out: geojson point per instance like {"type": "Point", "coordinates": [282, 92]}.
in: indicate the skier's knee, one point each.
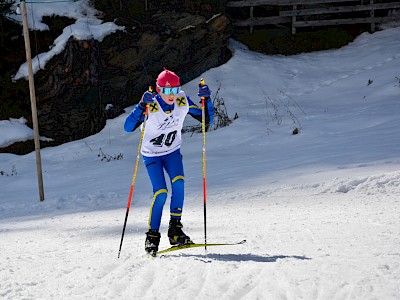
{"type": "Point", "coordinates": [178, 184]}
{"type": "Point", "coordinates": [178, 178]}
{"type": "Point", "coordinates": [160, 195]}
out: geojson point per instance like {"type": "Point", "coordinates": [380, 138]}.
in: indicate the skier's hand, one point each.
{"type": "Point", "coordinates": [147, 98]}
{"type": "Point", "coordinates": [204, 91]}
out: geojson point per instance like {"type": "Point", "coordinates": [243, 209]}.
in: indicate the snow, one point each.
{"type": "Point", "coordinates": [14, 130]}
{"type": "Point", "coordinates": [319, 210]}
{"type": "Point", "coordinates": [87, 26]}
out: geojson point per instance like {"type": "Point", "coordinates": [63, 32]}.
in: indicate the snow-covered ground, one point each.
{"type": "Point", "coordinates": [320, 210]}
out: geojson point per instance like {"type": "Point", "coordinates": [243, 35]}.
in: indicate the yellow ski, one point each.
{"type": "Point", "coordinates": [187, 246]}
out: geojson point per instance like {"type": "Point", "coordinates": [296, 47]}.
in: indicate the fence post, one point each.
{"type": "Point", "coordinates": [294, 20]}
{"type": "Point", "coordinates": [251, 16]}
{"type": "Point", "coordinates": [372, 14]}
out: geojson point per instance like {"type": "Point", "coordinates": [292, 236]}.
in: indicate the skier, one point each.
{"type": "Point", "coordinates": [161, 150]}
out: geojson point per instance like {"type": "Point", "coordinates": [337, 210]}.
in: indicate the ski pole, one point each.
{"type": "Point", "coordinates": [134, 174]}
{"type": "Point", "coordinates": [203, 129]}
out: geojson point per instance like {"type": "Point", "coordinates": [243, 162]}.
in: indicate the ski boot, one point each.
{"type": "Point", "coordinates": [152, 242]}
{"type": "Point", "coordinates": [176, 235]}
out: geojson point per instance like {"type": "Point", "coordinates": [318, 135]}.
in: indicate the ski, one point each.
{"type": "Point", "coordinates": [187, 246]}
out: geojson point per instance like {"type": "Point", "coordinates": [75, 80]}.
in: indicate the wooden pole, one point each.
{"type": "Point", "coordinates": [33, 100]}
{"type": "Point", "coordinates": [251, 16]}
{"type": "Point", "coordinates": [294, 21]}
{"type": "Point", "coordinates": [372, 15]}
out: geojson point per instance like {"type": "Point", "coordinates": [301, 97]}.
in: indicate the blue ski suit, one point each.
{"type": "Point", "coordinates": [171, 162]}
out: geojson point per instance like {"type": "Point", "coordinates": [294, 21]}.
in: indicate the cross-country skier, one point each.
{"type": "Point", "coordinates": [161, 150]}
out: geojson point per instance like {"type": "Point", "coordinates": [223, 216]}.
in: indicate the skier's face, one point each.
{"type": "Point", "coordinates": [169, 99]}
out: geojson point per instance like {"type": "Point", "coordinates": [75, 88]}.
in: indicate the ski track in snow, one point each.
{"type": "Point", "coordinates": [290, 257]}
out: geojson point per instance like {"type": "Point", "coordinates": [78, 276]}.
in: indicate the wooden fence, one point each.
{"type": "Point", "coordinates": [309, 13]}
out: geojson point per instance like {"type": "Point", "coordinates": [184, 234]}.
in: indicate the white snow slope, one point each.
{"type": "Point", "coordinates": [320, 210]}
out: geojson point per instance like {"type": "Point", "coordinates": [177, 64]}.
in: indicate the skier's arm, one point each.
{"type": "Point", "coordinates": [135, 118]}
{"type": "Point", "coordinates": [195, 111]}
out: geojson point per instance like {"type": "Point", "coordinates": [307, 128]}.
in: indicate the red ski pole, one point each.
{"type": "Point", "coordinates": [203, 129]}
{"type": "Point", "coordinates": [134, 174]}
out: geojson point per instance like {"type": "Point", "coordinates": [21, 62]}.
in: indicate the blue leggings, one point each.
{"type": "Point", "coordinates": [172, 163]}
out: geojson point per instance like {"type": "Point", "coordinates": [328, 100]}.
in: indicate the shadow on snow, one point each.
{"type": "Point", "coordinates": [241, 257]}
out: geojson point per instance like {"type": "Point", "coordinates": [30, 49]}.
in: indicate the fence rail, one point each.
{"type": "Point", "coordinates": [307, 13]}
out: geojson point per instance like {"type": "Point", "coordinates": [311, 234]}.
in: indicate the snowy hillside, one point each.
{"type": "Point", "coordinates": [319, 210]}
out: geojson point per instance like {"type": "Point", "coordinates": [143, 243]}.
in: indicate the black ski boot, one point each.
{"type": "Point", "coordinates": [176, 235]}
{"type": "Point", "coordinates": [152, 242]}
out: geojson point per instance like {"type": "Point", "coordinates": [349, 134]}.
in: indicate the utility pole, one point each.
{"type": "Point", "coordinates": [33, 100]}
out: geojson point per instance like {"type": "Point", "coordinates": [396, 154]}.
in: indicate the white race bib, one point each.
{"type": "Point", "coordinates": [163, 130]}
